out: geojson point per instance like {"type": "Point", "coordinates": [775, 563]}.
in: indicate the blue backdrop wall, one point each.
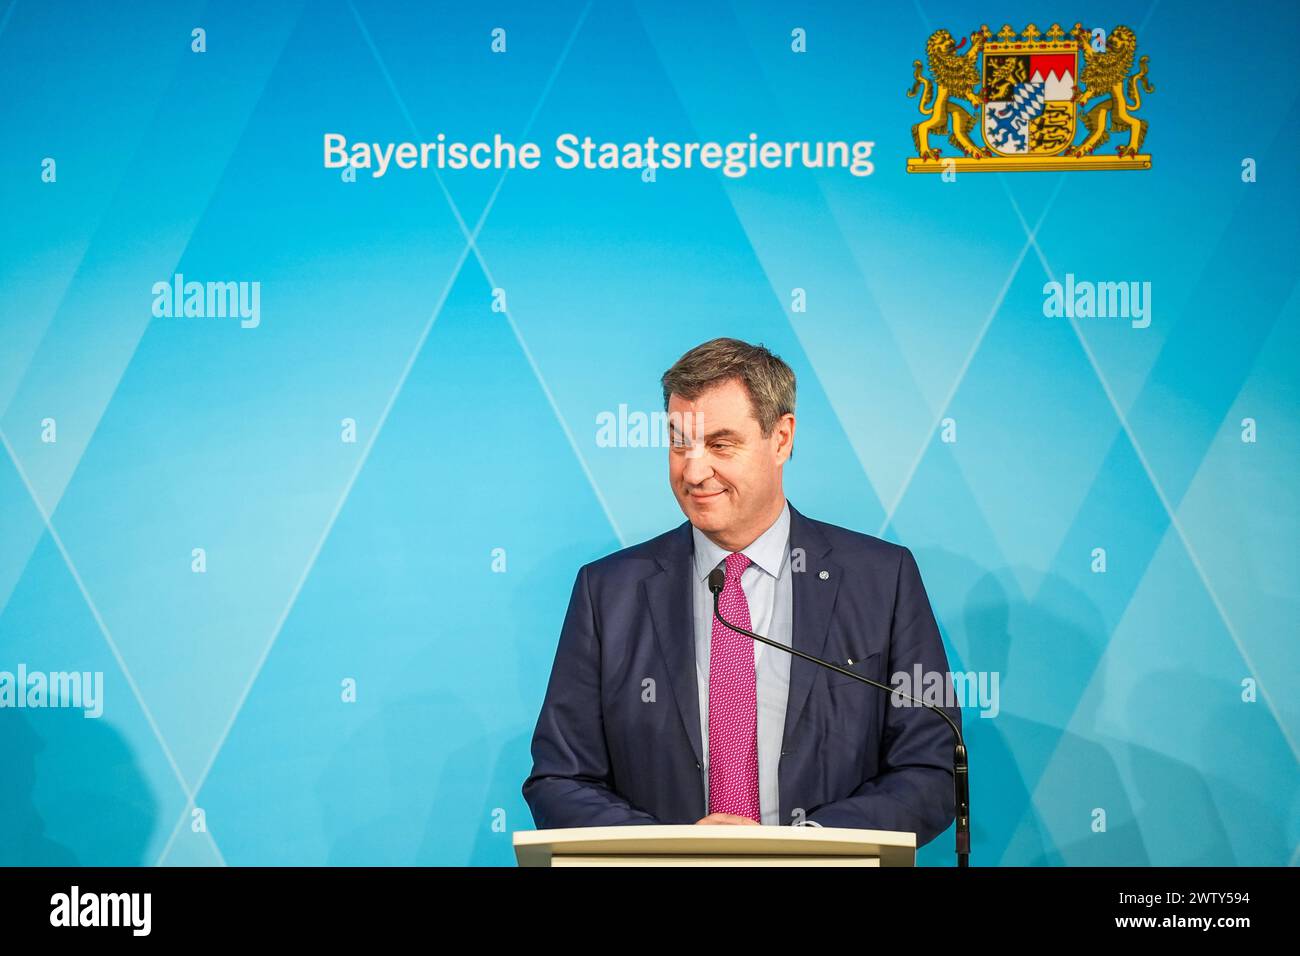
{"type": "Point", "coordinates": [385, 486]}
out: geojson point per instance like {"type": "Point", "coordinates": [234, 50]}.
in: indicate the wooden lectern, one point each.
{"type": "Point", "coordinates": [714, 845]}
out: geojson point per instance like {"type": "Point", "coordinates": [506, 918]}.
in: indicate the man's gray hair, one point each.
{"type": "Point", "coordinates": [769, 381]}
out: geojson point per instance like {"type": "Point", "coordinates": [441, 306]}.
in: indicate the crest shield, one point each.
{"type": "Point", "coordinates": [1029, 92]}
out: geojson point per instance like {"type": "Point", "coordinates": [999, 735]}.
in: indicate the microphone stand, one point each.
{"type": "Point", "coordinates": [960, 768]}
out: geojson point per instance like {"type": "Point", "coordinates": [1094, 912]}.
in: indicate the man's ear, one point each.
{"type": "Point", "coordinates": [783, 424]}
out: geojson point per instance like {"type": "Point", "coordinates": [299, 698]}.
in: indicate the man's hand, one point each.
{"type": "Point", "coordinates": [727, 818]}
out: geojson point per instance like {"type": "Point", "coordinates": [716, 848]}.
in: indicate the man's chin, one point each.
{"type": "Point", "coordinates": [706, 513]}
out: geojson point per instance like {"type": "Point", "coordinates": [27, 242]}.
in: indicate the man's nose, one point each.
{"type": "Point", "coordinates": [697, 469]}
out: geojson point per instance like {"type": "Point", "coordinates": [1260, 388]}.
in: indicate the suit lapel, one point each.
{"type": "Point", "coordinates": [671, 599]}
{"type": "Point", "coordinates": [813, 598]}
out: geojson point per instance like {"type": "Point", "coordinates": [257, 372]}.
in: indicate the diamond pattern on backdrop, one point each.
{"type": "Point", "coordinates": [332, 559]}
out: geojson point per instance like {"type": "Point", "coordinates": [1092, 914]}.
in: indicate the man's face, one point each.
{"type": "Point", "coordinates": [725, 474]}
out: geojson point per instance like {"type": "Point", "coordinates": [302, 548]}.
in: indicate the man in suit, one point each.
{"type": "Point", "coordinates": [656, 713]}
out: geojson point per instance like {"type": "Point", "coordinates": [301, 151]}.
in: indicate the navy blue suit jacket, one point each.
{"type": "Point", "coordinates": [611, 749]}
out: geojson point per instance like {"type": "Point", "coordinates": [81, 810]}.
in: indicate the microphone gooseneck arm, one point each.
{"type": "Point", "coordinates": [960, 768]}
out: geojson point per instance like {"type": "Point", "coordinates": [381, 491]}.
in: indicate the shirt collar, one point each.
{"type": "Point", "coordinates": [768, 550]}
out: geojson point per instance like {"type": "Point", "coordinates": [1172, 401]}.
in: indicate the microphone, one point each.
{"type": "Point", "coordinates": [960, 769]}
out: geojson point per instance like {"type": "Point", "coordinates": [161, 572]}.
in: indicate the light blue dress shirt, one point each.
{"type": "Point", "coordinates": [766, 583]}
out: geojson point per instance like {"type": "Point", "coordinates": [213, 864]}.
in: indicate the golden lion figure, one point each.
{"type": "Point", "coordinates": [1103, 75]}
{"type": "Point", "coordinates": [955, 77]}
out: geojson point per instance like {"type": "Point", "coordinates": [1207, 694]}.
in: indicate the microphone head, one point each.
{"type": "Point", "coordinates": [717, 580]}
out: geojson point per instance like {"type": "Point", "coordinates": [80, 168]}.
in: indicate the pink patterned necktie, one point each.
{"type": "Point", "coordinates": [733, 704]}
